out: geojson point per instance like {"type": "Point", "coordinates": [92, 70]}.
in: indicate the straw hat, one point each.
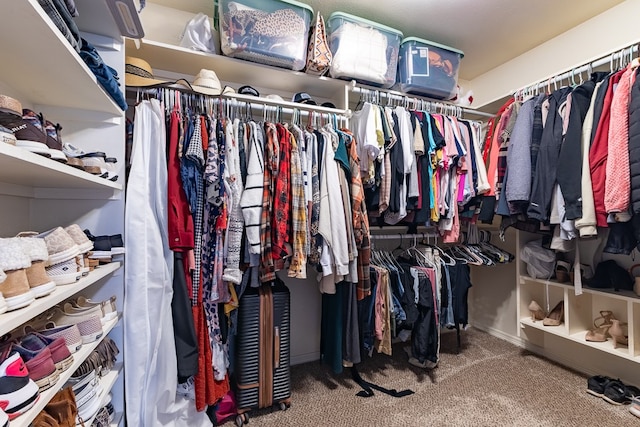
{"type": "Point", "coordinates": [207, 83]}
{"type": "Point", "coordinates": [138, 72]}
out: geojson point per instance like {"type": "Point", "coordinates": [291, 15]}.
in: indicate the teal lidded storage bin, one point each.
{"type": "Point", "coordinates": [428, 68]}
{"type": "Point", "coordinates": [272, 32]}
{"type": "Point", "coordinates": [363, 50]}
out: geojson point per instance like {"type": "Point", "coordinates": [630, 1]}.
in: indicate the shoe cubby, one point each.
{"type": "Point", "coordinates": [547, 295]}
{"type": "Point", "coordinates": [634, 330]}
{"type": "Point", "coordinates": [586, 308]}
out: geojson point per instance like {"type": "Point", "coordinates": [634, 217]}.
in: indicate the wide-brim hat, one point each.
{"type": "Point", "coordinates": [138, 73]}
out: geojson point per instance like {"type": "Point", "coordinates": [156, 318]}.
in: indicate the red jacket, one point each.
{"type": "Point", "coordinates": [598, 153]}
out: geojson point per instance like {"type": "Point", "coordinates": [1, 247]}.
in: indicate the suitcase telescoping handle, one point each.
{"type": "Point", "coordinates": [276, 349]}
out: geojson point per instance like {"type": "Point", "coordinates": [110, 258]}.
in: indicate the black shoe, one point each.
{"type": "Point", "coordinates": [618, 393]}
{"type": "Point", "coordinates": [597, 384]}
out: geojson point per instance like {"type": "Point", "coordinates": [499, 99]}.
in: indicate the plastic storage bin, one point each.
{"type": "Point", "coordinates": [427, 68]}
{"type": "Point", "coordinates": [363, 50]}
{"type": "Point", "coordinates": [272, 32]}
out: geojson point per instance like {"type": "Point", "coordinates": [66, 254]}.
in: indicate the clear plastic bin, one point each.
{"type": "Point", "coordinates": [363, 50]}
{"type": "Point", "coordinates": [273, 32]}
{"type": "Point", "coordinates": [427, 68]}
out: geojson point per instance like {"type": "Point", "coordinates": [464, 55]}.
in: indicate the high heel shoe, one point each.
{"type": "Point", "coordinates": [536, 311]}
{"type": "Point", "coordinates": [555, 316]}
{"type": "Point", "coordinates": [617, 333]}
{"type": "Point", "coordinates": [601, 331]}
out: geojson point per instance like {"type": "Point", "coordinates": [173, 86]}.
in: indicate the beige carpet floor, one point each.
{"type": "Point", "coordinates": [490, 383]}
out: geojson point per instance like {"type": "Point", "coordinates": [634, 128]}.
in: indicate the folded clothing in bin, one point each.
{"type": "Point", "coordinates": [428, 68]}
{"type": "Point", "coordinates": [272, 32]}
{"type": "Point", "coordinates": [363, 50]}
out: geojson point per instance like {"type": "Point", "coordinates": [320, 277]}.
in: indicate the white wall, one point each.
{"type": "Point", "coordinates": [605, 33]}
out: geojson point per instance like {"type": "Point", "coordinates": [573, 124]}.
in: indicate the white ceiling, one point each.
{"type": "Point", "coordinates": [489, 32]}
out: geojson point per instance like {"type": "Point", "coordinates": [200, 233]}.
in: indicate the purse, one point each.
{"type": "Point", "coordinates": [319, 55]}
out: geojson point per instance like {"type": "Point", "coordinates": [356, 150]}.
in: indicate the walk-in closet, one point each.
{"type": "Point", "coordinates": [319, 212]}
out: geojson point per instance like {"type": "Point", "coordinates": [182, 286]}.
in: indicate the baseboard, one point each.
{"type": "Point", "coordinates": [554, 356]}
{"type": "Point", "coordinates": [299, 359]}
{"type": "Point", "coordinates": [501, 334]}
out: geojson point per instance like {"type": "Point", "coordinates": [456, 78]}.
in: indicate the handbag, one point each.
{"type": "Point", "coordinates": [319, 55]}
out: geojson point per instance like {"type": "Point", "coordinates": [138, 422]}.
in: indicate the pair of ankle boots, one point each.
{"type": "Point", "coordinates": [61, 411]}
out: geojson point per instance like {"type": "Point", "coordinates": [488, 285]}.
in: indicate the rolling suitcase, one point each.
{"type": "Point", "coordinates": [262, 376]}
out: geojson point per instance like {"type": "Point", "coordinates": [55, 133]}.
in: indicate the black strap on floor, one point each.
{"type": "Point", "coordinates": [367, 387]}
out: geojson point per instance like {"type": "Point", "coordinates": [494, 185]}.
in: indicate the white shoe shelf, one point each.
{"type": "Point", "coordinates": [32, 175]}
{"type": "Point", "coordinates": [39, 63]}
{"type": "Point", "coordinates": [13, 319]}
{"type": "Point", "coordinates": [44, 72]}
{"type": "Point", "coordinates": [78, 357]}
{"type": "Point", "coordinates": [579, 314]}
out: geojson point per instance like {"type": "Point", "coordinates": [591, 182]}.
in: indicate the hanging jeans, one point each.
{"type": "Point", "coordinates": [151, 379]}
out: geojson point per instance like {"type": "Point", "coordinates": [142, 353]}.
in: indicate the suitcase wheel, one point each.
{"type": "Point", "coordinates": [242, 419]}
{"type": "Point", "coordinates": [284, 406]}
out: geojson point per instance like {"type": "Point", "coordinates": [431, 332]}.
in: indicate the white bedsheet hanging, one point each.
{"type": "Point", "coordinates": [150, 362]}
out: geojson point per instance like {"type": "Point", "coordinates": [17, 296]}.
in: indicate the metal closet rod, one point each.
{"type": "Point", "coordinates": [256, 102]}
{"type": "Point", "coordinates": [452, 109]}
{"type": "Point", "coordinates": [407, 237]}
{"type": "Point", "coordinates": [621, 56]}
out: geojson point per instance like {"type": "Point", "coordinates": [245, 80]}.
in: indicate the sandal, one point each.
{"type": "Point", "coordinates": [601, 331]}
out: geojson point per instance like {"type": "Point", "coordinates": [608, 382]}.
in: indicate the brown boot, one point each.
{"type": "Point", "coordinates": [62, 408]}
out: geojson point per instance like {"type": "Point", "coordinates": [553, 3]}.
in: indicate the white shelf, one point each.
{"type": "Point", "coordinates": [30, 172]}
{"type": "Point", "coordinates": [176, 59]}
{"type": "Point", "coordinates": [607, 346]}
{"type": "Point", "coordinates": [39, 63]}
{"type": "Point", "coordinates": [579, 337]}
{"type": "Point", "coordinates": [106, 383]}
{"type": "Point", "coordinates": [13, 319]}
{"type": "Point", "coordinates": [609, 293]}
{"type": "Point", "coordinates": [78, 357]}
{"type": "Point", "coordinates": [560, 330]}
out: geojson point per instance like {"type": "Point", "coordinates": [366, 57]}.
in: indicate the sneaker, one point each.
{"type": "Point", "coordinates": [87, 390]}
{"type": "Point", "coordinates": [70, 334]}
{"type": "Point", "coordinates": [102, 418]}
{"type": "Point", "coordinates": [187, 389]}
{"type": "Point", "coordinates": [111, 167]}
{"type": "Point", "coordinates": [18, 392]}
{"type": "Point", "coordinates": [7, 137]}
{"type": "Point", "coordinates": [62, 357]}
{"type": "Point", "coordinates": [65, 273]}
{"type": "Point", "coordinates": [597, 384]}
{"type": "Point", "coordinates": [4, 419]}
{"type": "Point", "coordinates": [53, 141]}
{"type": "Point", "coordinates": [3, 303]}
{"type": "Point", "coordinates": [30, 134]}
{"type": "Point", "coordinates": [634, 408]}
{"type": "Point", "coordinates": [61, 246]}
{"type": "Point", "coordinates": [107, 307]}
{"type": "Point", "coordinates": [88, 322]}
{"type": "Point", "coordinates": [42, 369]}
{"type": "Point", "coordinates": [39, 281]}
{"type": "Point", "coordinates": [14, 262]}
{"type": "Point", "coordinates": [618, 393]}
{"type": "Point", "coordinates": [117, 245]}
{"type": "Point", "coordinates": [81, 239]}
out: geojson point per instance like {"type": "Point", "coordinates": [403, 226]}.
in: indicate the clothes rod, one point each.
{"type": "Point", "coordinates": [455, 110]}
{"type": "Point", "coordinates": [256, 102]}
{"type": "Point", "coordinates": [621, 55]}
{"type": "Point", "coordinates": [400, 236]}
